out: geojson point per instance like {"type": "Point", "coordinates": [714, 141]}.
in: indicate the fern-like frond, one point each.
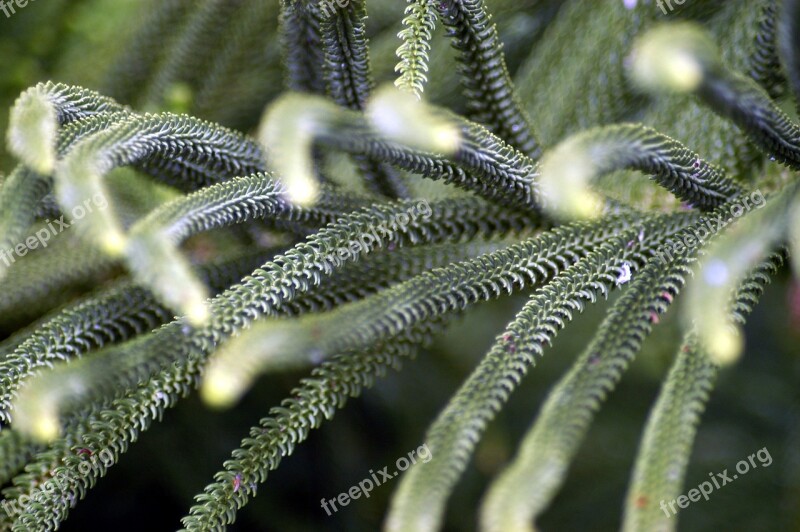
{"type": "Point", "coordinates": [684, 58]}
{"type": "Point", "coordinates": [379, 318]}
{"type": "Point", "coordinates": [571, 167]}
{"type": "Point", "coordinates": [765, 62]}
{"type": "Point", "coordinates": [293, 123]}
{"type": "Point", "coordinates": [185, 152]}
{"type": "Point", "coordinates": [491, 98]}
{"type": "Point", "coordinates": [527, 487]}
{"type": "Point", "coordinates": [20, 194]}
{"type": "Point", "coordinates": [207, 154]}
{"type": "Point", "coordinates": [418, 27]}
{"type": "Point", "coordinates": [189, 267]}
{"type": "Point", "coordinates": [418, 504]}
{"type": "Point", "coordinates": [316, 400]}
{"type": "Point", "coordinates": [393, 266]}
{"type": "Point", "coordinates": [482, 163]}
{"type": "Point", "coordinates": [735, 25]}
{"type": "Point", "coordinates": [519, 495]}
{"type": "Point", "coordinates": [117, 314]}
{"type": "Point", "coordinates": [281, 280]}
{"type": "Point", "coordinates": [107, 427]}
{"type": "Point", "coordinates": [729, 259]}
{"type": "Point", "coordinates": [300, 35]}
{"type": "Point", "coordinates": [668, 439]}
{"type": "Point", "coordinates": [671, 427]}
{"type": "Point", "coordinates": [24, 191]}
{"type": "Point", "coordinates": [66, 115]}
{"type": "Point", "coordinates": [344, 44]}
{"type": "Point", "coordinates": [15, 451]}
{"type": "Point", "coordinates": [67, 104]}
{"type": "Point", "coordinates": [113, 315]}
{"type": "Point", "coordinates": [110, 429]}
{"type": "Point", "coordinates": [151, 249]}
{"type": "Point", "coordinates": [349, 80]}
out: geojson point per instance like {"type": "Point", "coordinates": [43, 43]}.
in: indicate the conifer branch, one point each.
{"type": "Point", "coordinates": [419, 501]}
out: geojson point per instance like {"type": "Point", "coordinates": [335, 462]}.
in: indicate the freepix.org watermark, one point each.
{"type": "Point", "coordinates": [62, 482]}
{"type": "Point", "coordinates": [373, 481]}
{"type": "Point", "coordinates": [328, 7]}
{"type": "Point", "coordinates": [9, 7]}
{"type": "Point", "coordinates": [709, 226]}
{"type": "Point", "coordinates": [718, 480]}
{"type": "Point", "coordinates": [52, 228]}
{"type": "Point", "coordinates": [666, 5]}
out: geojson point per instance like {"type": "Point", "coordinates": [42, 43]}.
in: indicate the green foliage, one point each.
{"type": "Point", "coordinates": [419, 23]}
{"type": "Point", "coordinates": [203, 249]}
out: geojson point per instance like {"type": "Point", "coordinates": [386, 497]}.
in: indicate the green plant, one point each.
{"type": "Point", "coordinates": [563, 215]}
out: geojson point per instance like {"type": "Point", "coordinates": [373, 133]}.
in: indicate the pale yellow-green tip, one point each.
{"type": "Point", "coordinates": [402, 117]}
{"type": "Point", "coordinates": [672, 57]}
{"type": "Point", "coordinates": [266, 347]}
{"type": "Point", "coordinates": [566, 173]}
{"type": "Point", "coordinates": [113, 242]}
{"type": "Point", "coordinates": [157, 263]}
{"type": "Point", "coordinates": [46, 428]}
{"type": "Point", "coordinates": [180, 289]}
{"type": "Point", "coordinates": [302, 190]}
{"type": "Point", "coordinates": [32, 132]}
{"type": "Point", "coordinates": [724, 346]}
{"type": "Point", "coordinates": [287, 133]}
{"type": "Point", "coordinates": [38, 419]}
{"type": "Point", "coordinates": [198, 313]}
{"type": "Point", "coordinates": [222, 388]}
{"type": "Point", "coordinates": [78, 180]}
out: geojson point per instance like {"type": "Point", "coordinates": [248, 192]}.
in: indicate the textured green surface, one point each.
{"type": "Point", "coordinates": [440, 234]}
